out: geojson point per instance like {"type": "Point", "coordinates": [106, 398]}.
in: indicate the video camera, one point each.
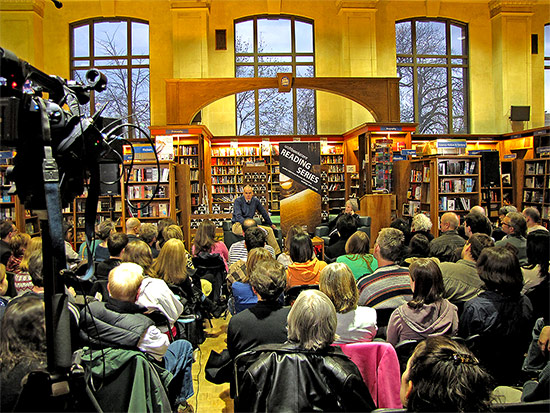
{"type": "Point", "coordinates": [29, 122]}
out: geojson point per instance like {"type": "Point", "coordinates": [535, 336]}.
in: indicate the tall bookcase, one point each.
{"type": "Point", "coordinates": [442, 184]}
{"type": "Point", "coordinates": [332, 162]}
{"type": "Point", "coordinates": [536, 187]}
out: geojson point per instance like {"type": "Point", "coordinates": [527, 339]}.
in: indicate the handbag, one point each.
{"type": "Point", "coordinates": [219, 367]}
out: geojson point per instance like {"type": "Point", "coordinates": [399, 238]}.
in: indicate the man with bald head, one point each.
{"type": "Point", "coordinates": [132, 229]}
{"type": "Point", "coordinates": [478, 209]}
{"type": "Point", "coordinates": [443, 247]}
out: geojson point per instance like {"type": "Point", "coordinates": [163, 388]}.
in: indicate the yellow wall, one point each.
{"type": "Point", "coordinates": [352, 38]}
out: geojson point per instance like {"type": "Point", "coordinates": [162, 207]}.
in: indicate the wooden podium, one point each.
{"type": "Point", "coordinates": [378, 207]}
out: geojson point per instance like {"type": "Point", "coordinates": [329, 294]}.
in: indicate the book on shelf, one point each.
{"type": "Point", "coordinates": [451, 205]}
{"type": "Point", "coordinates": [414, 207]}
{"type": "Point", "coordinates": [426, 174]}
{"type": "Point", "coordinates": [530, 168]}
{"type": "Point", "coordinates": [540, 168]}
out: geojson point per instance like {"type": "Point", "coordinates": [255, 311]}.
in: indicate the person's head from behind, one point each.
{"type": "Point", "coordinates": [475, 244]}
{"type": "Point", "coordinates": [255, 256]}
{"type": "Point", "coordinates": [449, 221]}
{"type": "Point", "coordinates": [18, 243]}
{"type": "Point", "coordinates": [105, 228]}
{"type": "Point", "coordinates": [125, 281]}
{"type": "Point", "coordinates": [419, 245]}
{"type": "Point", "coordinates": [478, 209]}
{"type": "Point", "coordinates": [148, 233]}
{"type": "Point", "coordinates": [68, 231]}
{"type": "Point", "coordinates": [532, 216]}
{"type": "Point", "coordinates": [337, 282]}
{"type": "Point", "coordinates": [346, 226]}
{"type": "Point", "coordinates": [445, 376]}
{"type": "Point", "coordinates": [205, 236]}
{"type": "Point", "coordinates": [421, 222]}
{"type": "Point", "coordinates": [358, 243]}
{"type": "Point", "coordinates": [116, 243]}
{"type": "Point", "coordinates": [268, 279]}
{"type": "Point", "coordinates": [248, 223]}
{"type": "Point", "coordinates": [171, 264]}
{"type": "Point", "coordinates": [35, 244]}
{"type": "Point", "coordinates": [139, 253]}
{"type": "Point", "coordinates": [503, 211]}
{"type": "Point", "coordinates": [312, 321]}
{"type": "Point", "coordinates": [475, 223]}
{"type": "Point", "coordinates": [301, 248]}
{"type": "Point", "coordinates": [426, 282]}
{"type": "Point", "coordinates": [3, 280]}
{"type": "Point", "coordinates": [254, 238]}
{"type": "Point", "coordinates": [23, 334]}
{"type": "Point", "coordinates": [7, 229]}
{"type": "Point", "coordinates": [514, 224]}
{"type": "Point", "coordinates": [36, 266]}
{"type": "Point", "coordinates": [172, 231]}
{"type": "Point", "coordinates": [291, 233]}
{"type": "Point", "coordinates": [389, 244]}
{"type": "Point", "coordinates": [402, 225]}
{"type": "Point", "coordinates": [161, 225]}
{"type": "Point", "coordinates": [538, 250]}
{"type": "Point", "coordinates": [499, 269]}
{"type": "Point", "coordinates": [132, 226]}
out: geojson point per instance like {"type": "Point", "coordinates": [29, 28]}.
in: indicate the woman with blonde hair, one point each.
{"type": "Point", "coordinates": [357, 257]}
{"type": "Point", "coordinates": [284, 257]}
{"type": "Point", "coordinates": [173, 231]}
{"type": "Point", "coordinates": [243, 294]}
{"type": "Point", "coordinates": [139, 252]}
{"type": "Point", "coordinates": [205, 242]}
{"type": "Point", "coordinates": [18, 244]}
{"type": "Point", "coordinates": [354, 323]}
{"type": "Point", "coordinates": [22, 279]}
{"type": "Point", "coordinates": [170, 264]}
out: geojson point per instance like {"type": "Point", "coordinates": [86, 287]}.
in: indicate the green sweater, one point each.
{"type": "Point", "coordinates": [359, 264]}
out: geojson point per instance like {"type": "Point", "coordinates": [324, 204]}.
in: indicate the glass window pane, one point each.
{"type": "Point", "coordinates": [404, 60]}
{"type": "Point", "coordinates": [304, 37]}
{"type": "Point", "coordinates": [406, 96]}
{"type": "Point", "coordinates": [140, 97]}
{"type": "Point", "coordinates": [81, 41]}
{"type": "Point", "coordinates": [432, 60]}
{"type": "Point", "coordinates": [110, 38]}
{"type": "Point", "coordinates": [304, 71]}
{"type": "Point", "coordinates": [458, 82]}
{"type": "Point", "coordinates": [458, 40]}
{"type": "Point", "coordinates": [459, 61]}
{"type": "Point", "coordinates": [430, 38]}
{"type": "Point", "coordinates": [274, 59]}
{"type": "Point", "coordinates": [304, 59]}
{"type": "Point", "coordinates": [140, 38]}
{"type": "Point", "coordinates": [275, 112]}
{"type": "Point", "coordinates": [244, 71]}
{"type": "Point", "coordinates": [78, 63]}
{"type": "Point", "coordinates": [305, 112]}
{"type": "Point", "coordinates": [274, 36]}
{"type": "Point", "coordinates": [403, 39]}
{"type": "Point", "coordinates": [142, 61]}
{"type": "Point", "coordinates": [271, 71]}
{"type": "Point", "coordinates": [111, 62]}
{"type": "Point", "coordinates": [116, 94]}
{"type": "Point", "coordinates": [547, 40]}
{"type": "Point", "coordinates": [433, 99]}
{"type": "Point", "coordinates": [244, 59]}
{"type": "Point", "coordinates": [246, 113]}
{"type": "Point", "coordinates": [244, 37]}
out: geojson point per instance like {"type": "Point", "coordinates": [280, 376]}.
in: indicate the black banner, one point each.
{"type": "Point", "coordinates": [301, 162]}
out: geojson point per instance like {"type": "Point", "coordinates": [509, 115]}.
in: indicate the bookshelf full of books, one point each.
{"type": "Point", "coordinates": [332, 156]}
{"type": "Point", "coordinates": [536, 187]}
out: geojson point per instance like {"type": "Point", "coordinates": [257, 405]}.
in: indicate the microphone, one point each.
{"type": "Point", "coordinates": [57, 3]}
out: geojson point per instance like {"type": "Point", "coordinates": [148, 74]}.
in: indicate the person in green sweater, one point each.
{"type": "Point", "coordinates": [357, 257]}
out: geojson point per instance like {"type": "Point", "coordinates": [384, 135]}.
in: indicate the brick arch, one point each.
{"type": "Point", "coordinates": [186, 97]}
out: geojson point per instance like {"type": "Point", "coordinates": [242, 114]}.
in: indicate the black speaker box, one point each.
{"type": "Point", "coordinates": [108, 172]}
{"type": "Point", "coordinates": [490, 168]}
{"type": "Point", "coordinates": [520, 113]}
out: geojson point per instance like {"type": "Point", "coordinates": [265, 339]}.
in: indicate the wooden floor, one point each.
{"type": "Point", "coordinates": [210, 397]}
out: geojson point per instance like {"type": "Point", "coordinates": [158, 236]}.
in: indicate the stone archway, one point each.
{"type": "Point", "coordinates": [186, 97]}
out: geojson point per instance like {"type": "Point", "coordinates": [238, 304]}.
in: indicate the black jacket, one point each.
{"type": "Point", "coordinates": [114, 324]}
{"type": "Point", "coordinates": [285, 378]}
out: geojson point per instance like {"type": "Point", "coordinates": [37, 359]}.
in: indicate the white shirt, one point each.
{"type": "Point", "coordinates": [154, 342]}
{"type": "Point", "coordinates": [356, 325]}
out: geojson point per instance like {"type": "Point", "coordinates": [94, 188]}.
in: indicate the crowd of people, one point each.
{"type": "Point", "coordinates": [473, 296]}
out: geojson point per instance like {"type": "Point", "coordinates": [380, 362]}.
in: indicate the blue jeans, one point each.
{"type": "Point", "coordinates": [178, 360]}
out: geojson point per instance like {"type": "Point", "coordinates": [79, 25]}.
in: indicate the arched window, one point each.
{"type": "Point", "coordinates": [265, 46]}
{"type": "Point", "coordinates": [547, 75]}
{"type": "Point", "coordinates": [119, 47]}
{"type": "Point", "coordinates": [432, 61]}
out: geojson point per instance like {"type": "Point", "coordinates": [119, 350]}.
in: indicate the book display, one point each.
{"type": "Point", "coordinates": [536, 187]}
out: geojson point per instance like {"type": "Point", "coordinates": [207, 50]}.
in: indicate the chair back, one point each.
{"type": "Point", "coordinates": [293, 292]}
{"type": "Point", "coordinates": [11, 292]}
{"type": "Point", "coordinates": [229, 238]}
{"type": "Point", "coordinates": [377, 361]}
{"type": "Point", "coordinates": [212, 268]}
{"type": "Point", "coordinates": [404, 350]}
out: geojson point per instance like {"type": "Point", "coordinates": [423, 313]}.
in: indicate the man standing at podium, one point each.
{"type": "Point", "coordinates": [245, 206]}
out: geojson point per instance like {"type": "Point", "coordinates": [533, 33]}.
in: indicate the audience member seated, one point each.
{"type": "Point", "coordinates": [500, 314]}
{"type": "Point", "coordinates": [139, 253]}
{"type": "Point", "coordinates": [205, 242]}
{"type": "Point", "coordinates": [238, 250]}
{"type": "Point", "coordinates": [428, 313]}
{"type": "Point", "coordinates": [4, 286]}
{"type": "Point", "coordinates": [422, 224]}
{"type": "Point", "coordinates": [498, 232]}
{"type": "Point", "coordinates": [18, 244]}
{"type": "Point", "coordinates": [444, 246]}
{"type": "Point", "coordinates": [476, 223]}
{"type": "Point", "coordinates": [353, 323]}
{"type": "Point", "coordinates": [284, 257]}
{"type": "Point", "coordinates": [70, 254]}
{"type": "Point", "coordinates": [243, 295]}
{"type": "Point", "coordinates": [264, 323]}
{"type": "Point", "coordinates": [161, 225]}
{"type": "Point", "coordinates": [461, 279]}
{"type": "Point", "coordinates": [532, 219]}
{"type": "Point", "coordinates": [22, 279]}
{"type": "Point", "coordinates": [351, 209]}
{"type": "Point", "coordinates": [7, 230]}
{"type": "Point", "coordinates": [535, 273]}
{"type": "Point", "coordinates": [132, 229]}
{"type": "Point", "coordinates": [419, 247]}
{"type": "Point", "coordinates": [148, 233]}
{"type": "Point", "coordinates": [306, 373]}
{"type": "Point", "coordinates": [402, 225]}
{"type": "Point", "coordinates": [305, 267]}
{"type": "Point", "coordinates": [346, 227]}
{"type": "Point", "coordinates": [22, 347]}
{"type": "Point", "coordinates": [515, 227]}
{"type": "Point", "coordinates": [122, 322]}
{"type": "Point", "coordinates": [100, 248]}
{"type": "Point", "coordinates": [444, 376]}
{"type": "Point", "coordinates": [389, 286]}
{"type": "Point", "coordinates": [357, 257]}
{"type": "Point", "coordinates": [116, 244]}
{"type": "Point", "coordinates": [174, 231]}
